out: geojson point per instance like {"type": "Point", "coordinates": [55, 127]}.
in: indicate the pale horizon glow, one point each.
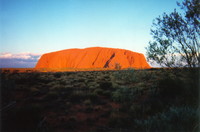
{"type": "Point", "coordinates": [42, 26]}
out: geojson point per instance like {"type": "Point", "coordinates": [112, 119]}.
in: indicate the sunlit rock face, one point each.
{"type": "Point", "coordinates": [94, 57]}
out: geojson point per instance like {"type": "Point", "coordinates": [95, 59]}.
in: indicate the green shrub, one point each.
{"type": "Point", "coordinates": [133, 76]}
{"type": "Point", "coordinates": [6, 91]}
{"type": "Point", "coordinates": [176, 119]}
{"type": "Point", "coordinates": [57, 74]}
{"type": "Point", "coordinates": [170, 87]}
{"type": "Point", "coordinates": [123, 94]}
{"type": "Point", "coordinates": [93, 96]}
{"type": "Point", "coordinates": [52, 95]}
{"type": "Point", "coordinates": [98, 91]}
{"type": "Point", "coordinates": [125, 75]}
{"type": "Point", "coordinates": [87, 102]}
{"type": "Point", "coordinates": [118, 120]}
{"type": "Point", "coordinates": [106, 93]}
{"type": "Point", "coordinates": [77, 96]}
{"type": "Point", "coordinates": [106, 85]}
{"type": "Point", "coordinates": [34, 91]}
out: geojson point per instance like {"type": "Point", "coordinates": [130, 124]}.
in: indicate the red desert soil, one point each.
{"type": "Point", "coordinates": [94, 57]}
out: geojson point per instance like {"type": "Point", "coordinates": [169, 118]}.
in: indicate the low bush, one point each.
{"type": "Point", "coordinates": [176, 119]}
{"type": "Point", "coordinates": [77, 96]}
{"type": "Point", "coordinates": [98, 91]}
{"type": "Point", "coordinates": [34, 91]}
{"type": "Point", "coordinates": [123, 94]}
{"type": "Point", "coordinates": [117, 120]}
{"type": "Point", "coordinates": [52, 95]}
{"type": "Point", "coordinates": [170, 87]}
{"type": "Point", "coordinates": [57, 74]}
{"type": "Point", "coordinates": [125, 75]}
{"type": "Point", "coordinates": [87, 102]}
{"type": "Point", "coordinates": [106, 93]}
{"type": "Point", "coordinates": [106, 85]}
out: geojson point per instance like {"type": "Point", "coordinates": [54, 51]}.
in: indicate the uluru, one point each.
{"type": "Point", "coordinates": [93, 57]}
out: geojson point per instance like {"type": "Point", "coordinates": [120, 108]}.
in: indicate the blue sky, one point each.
{"type": "Point", "coordinates": [41, 26]}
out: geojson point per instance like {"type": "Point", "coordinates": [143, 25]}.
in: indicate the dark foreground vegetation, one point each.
{"type": "Point", "coordinates": [162, 100]}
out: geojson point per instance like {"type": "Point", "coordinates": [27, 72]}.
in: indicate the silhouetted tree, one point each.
{"type": "Point", "coordinates": [117, 66]}
{"type": "Point", "coordinates": [176, 37]}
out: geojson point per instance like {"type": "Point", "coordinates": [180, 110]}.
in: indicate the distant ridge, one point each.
{"type": "Point", "coordinates": [93, 57]}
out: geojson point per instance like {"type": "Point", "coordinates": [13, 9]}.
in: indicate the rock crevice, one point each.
{"type": "Point", "coordinates": [107, 63]}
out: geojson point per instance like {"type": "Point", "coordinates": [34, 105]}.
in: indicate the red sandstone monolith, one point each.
{"type": "Point", "coordinates": [94, 57]}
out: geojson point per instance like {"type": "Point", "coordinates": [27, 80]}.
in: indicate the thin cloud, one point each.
{"type": "Point", "coordinates": [20, 60]}
{"type": "Point", "coordinates": [19, 56]}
